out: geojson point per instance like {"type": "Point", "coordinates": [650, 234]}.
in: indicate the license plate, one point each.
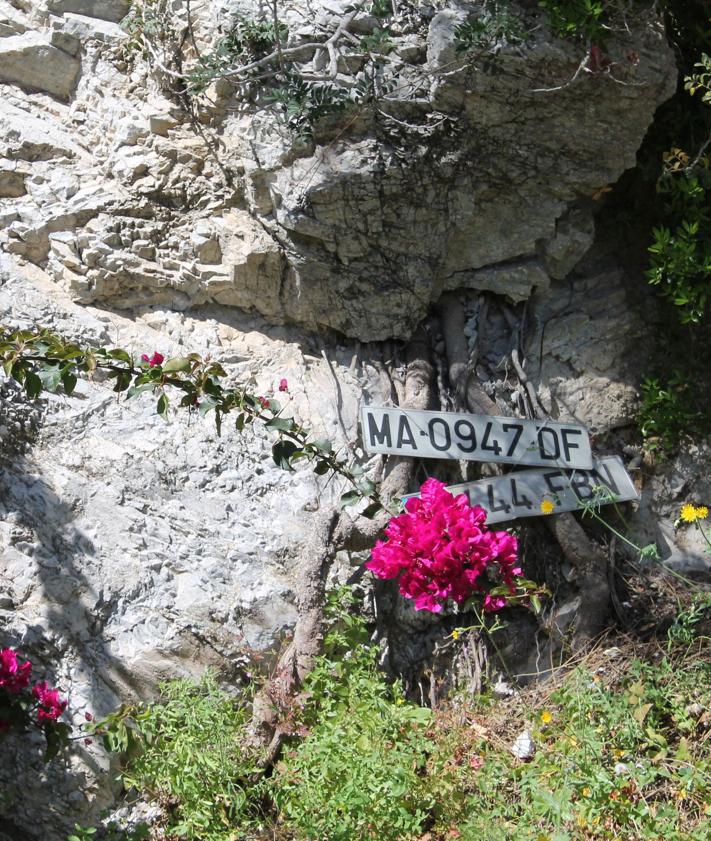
{"type": "Point", "coordinates": [453, 435]}
{"type": "Point", "coordinates": [525, 493]}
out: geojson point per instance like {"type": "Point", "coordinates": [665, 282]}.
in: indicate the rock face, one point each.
{"type": "Point", "coordinates": [475, 172]}
{"type": "Point", "coordinates": [28, 60]}
{"type": "Point", "coordinates": [133, 550]}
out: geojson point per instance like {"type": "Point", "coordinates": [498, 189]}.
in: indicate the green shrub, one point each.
{"type": "Point", "coordinates": [681, 250]}
{"type": "Point", "coordinates": [577, 18]}
{"type": "Point", "coordinates": [188, 753]}
{"type": "Point", "coordinates": [670, 412]}
{"type": "Point", "coordinates": [490, 28]}
{"type": "Point", "coordinates": [358, 773]}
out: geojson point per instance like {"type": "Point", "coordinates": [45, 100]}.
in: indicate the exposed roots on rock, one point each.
{"type": "Point", "coordinates": [588, 559]}
{"type": "Point", "coordinates": [332, 532]}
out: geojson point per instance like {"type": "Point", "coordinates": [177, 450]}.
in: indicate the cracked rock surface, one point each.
{"type": "Point", "coordinates": [471, 174]}
{"type": "Point", "coordinates": [132, 550]}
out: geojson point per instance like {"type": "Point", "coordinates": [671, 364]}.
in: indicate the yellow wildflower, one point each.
{"type": "Point", "coordinates": [689, 513]}
{"type": "Point", "coordinates": [586, 791]}
{"type": "Point", "coordinates": [455, 635]}
{"type": "Point", "coordinates": [617, 753]}
{"type": "Point", "coordinates": [702, 512]}
{"type": "Point", "coordinates": [547, 507]}
{"type": "Point", "coordinates": [546, 717]}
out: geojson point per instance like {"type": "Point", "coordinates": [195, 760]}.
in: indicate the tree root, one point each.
{"type": "Point", "coordinates": [332, 532]}
{"type": "Point", "coordinates": [585, 556]}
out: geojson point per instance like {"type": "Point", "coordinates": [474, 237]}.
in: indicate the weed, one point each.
{"type": "Point", "coordinates": [669, 413]}
{"type": "Point", "coordinates": [357, 774]}
{"type": "Point", "coordinates": [188, 752]}
{"type": "Point", "coordinates": [683, 629]}
{"type": "Point", "coordinates": [490, 29]}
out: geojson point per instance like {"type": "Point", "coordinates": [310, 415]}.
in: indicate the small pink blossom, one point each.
{"type": "Point", "coordinates": [493, 603]}
{"type": "Point", "coordinates": [51, 706]}
{"type": "Point", "coordinates": [263, 402]}
{"type": "Point", "coordinates": [283, 384]}
{"type": "Point", "coordinates": [440, 549]}
{"type": "Point", "coordinates": [156, 359]}
{"type": "Point", "coordinates": [14, 675]}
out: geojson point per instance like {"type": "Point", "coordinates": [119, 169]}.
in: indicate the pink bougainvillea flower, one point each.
{"type": "Point", "coordinates": [283, 384]}
{"type": "Point", "coordinates": [493, 603]}
{"type": "Point", "coordinates": [440, 549]}
{"type": "Point", "coordinates": [14, 675]}
{"type": "Point", "coordinates": [156, 359]}
{"type": "Point", "coordinates": [51, 706]}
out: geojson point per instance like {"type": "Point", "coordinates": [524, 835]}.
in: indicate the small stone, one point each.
{"type": "Point", "coordinates": [162, 123]}
{"type": "Point", "coordinates": [68, 43]}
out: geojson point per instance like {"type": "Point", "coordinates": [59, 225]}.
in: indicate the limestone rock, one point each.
{"type": "Point", "coordinates": [30, 61]}
{"type": "Point", "coordinates": [162, 123]}
{"type": "Point", "coordinates": [85, 28]}
{"type": "Point", "coordinates": [12, 20]}
{"type": "Point", "coordinates": [465, 180]}
{"type": "Point", "coordinates": [111, 10]}
{"type": "Point", "coordinates": [12, 180]}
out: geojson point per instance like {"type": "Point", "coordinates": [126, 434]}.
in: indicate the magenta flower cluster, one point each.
{"type": "Point", "coordinates": [154, 360]}
{"type": "Point", "coordinates": [17, 702]}
{"type": "Point", "coordinates": [441, 549]}
{"type": "Point", "coordinates": [14, 675]}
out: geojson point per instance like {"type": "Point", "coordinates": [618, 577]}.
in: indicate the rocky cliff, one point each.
{"type": "Point", "coordinates": [134, 550]}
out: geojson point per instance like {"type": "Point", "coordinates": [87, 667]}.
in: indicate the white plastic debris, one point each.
{"type": "Point", "coordinates": [501, 689]}
{"type": "Point", "coordinates": [523, 746]}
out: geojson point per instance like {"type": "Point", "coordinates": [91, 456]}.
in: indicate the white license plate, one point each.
{"type": "Point", "coordinates": [523, 494]}
{"type": "Point", "coordinates": [453, 435]}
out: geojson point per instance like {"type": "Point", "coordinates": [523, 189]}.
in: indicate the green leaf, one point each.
{"type": "Point", "coordinates": [51, 377]}
{"type": "Point", "coordinates": [366, 487]}
{"type": "Point", "coordinates": [162, 406]}
{"type": "Point", "coordinates": [179, 364]}
{"type": "Point", "coordinates": [373, 509]}
{"type": "Point", "coordinates": [323, 444]}
{"type": "Point", "coordinates": [118, 353]}
{"type": "Point", "coordinates": [216, 370]}
{"type": "Point", "coordinates": [284, 424]}
{"type": "Point", "coordinates": [69, 382]}
{"type": "Point", "coordinates": [349, 498]}
{"type": "Point", "coordinates": [207, 404]}
{"type": "Point", "coordinates": [139, 389]}
{"type": "Point", "coordinates": [33, 385]}
{"type": "Point", "coordinates": [322, 467]}
{"type": "Point", "coordinates": [123, 380]}
{"type": "Point", "coordinates": [282, 452]}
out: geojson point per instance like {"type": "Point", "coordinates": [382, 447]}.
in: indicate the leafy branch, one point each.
{"type": "Point", "coordinates": [40, 360]}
